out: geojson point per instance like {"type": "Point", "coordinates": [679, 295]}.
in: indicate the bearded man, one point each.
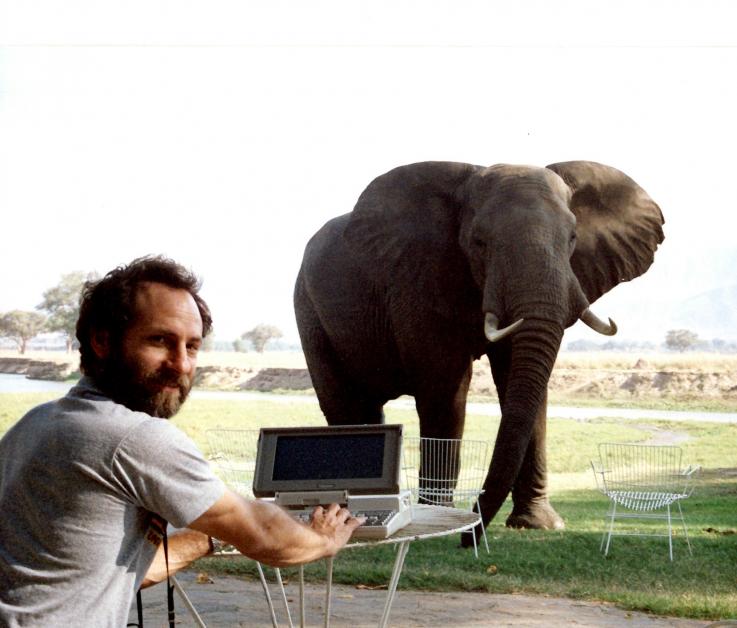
{"type": "Point", "coordinates": [86, 480]}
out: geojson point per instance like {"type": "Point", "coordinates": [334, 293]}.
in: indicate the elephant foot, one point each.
{"type": "Point", "coordinates": [536, 515]}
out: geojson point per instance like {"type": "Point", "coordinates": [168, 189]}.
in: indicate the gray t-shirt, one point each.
{"type": "Point", "coordinates": [79, 480]}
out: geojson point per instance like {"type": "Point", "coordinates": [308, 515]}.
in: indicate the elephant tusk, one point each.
{"type": "Point", "coordinates": [492, 331]}
{"type": "Point", "coordinates": [598, 325]}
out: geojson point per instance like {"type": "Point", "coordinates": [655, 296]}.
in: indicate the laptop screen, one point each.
{"type": "Point", "coordinates": [361, 459]}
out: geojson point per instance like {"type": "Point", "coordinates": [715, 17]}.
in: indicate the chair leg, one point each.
{"type": "Point", "coordinates": [486, 540]}
{"type": "Point", "coordinates": [277, 573]}
{"type": "Point", "coordinates": [472, 532]}
{"type": "Point", "coordinates": [613, 513]}
{"type": "Point", "coordinates": [670, 535]}
{"type": "Point", "coordinates": [685, 532]}
{"type": "Point", "coordinates": [187, 602]}
{"type": "Point", "coordinates": [265, 586]}
{"type": "Point", "coordinates": [483, 529]}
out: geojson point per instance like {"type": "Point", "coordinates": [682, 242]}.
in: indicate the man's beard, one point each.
{"type": "Point", "coordinates": [143, 391]}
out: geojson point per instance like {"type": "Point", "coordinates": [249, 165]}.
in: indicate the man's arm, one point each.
{"type": "Point", "coordinates": [266, 533]}
{"type": "Point", "coordinates": [184, 546]}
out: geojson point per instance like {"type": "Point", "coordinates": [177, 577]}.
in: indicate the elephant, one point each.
{"type": "Point", "coordinates": [440, 263]}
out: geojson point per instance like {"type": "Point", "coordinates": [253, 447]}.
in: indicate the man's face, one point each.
{"type": "Point", "coordinates": [153, 368]}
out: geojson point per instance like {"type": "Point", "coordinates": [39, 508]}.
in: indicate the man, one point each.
{"type": "Point", "coordinates": [86, 480]}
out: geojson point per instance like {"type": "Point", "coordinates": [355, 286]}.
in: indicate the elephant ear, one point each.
{"type": "Point", "coordinates": [618, 229]}
{"type": "Point", "coordinates": [404, 231]}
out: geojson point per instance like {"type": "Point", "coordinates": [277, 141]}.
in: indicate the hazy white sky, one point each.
{"type": "Point", "coordinates": [224, 134]}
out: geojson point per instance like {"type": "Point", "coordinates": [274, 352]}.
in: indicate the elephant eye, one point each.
{"type": "Point", "coordinates": [478, 242]}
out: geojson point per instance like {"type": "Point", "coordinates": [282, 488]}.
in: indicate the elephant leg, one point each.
{"type": "Point", "coordinates": [342, 401]}
{"type": "Point", "coordinates": [442, 411]}
{"type": "Point", "coordinates": [530, 492]}
{"type": "Point", "coordinates": [443, 416]}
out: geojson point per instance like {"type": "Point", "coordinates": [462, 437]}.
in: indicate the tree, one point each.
{"type": "Point", "coordinates": [21, 326]}
{"type": "Point", "coordinates": [62, 304]}
{"type": "Point", "coordinates": [681, 339]}
{"type": "Point", "coordinates": [239, 346]}
{"type": "Point", "coordinates": [260, 335]}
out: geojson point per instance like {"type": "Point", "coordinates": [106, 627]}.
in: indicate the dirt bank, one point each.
{"type": "Point", "coordinates": [628, 380]}
{"type": "Point", "coordinates": [637, 381]}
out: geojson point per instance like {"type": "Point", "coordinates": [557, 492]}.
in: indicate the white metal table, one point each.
{"type": "Point", "coordinates": [427, 522]}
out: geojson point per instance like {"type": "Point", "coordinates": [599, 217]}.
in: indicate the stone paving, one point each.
{"type": "Point", "coordinates": [225, 602]}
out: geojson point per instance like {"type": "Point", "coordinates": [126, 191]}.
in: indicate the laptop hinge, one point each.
{"type": "Point", "coordinates": [296, 499]}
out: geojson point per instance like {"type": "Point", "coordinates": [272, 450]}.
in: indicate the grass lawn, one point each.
{"type": "Point", "coordinates": [637, 573]}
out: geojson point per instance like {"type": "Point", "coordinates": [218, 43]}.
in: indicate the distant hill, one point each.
{"type": "Point", "coordinates": [711, 314]}
{"type": "Point", "coordinates": [688, 287]}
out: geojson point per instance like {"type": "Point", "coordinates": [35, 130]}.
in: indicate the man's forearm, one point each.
{"type": "Point", "coordinates": [269, 535]}
{"type": "Point", "coordinates": [282, 541]}
{"type": "Point", "coordinates": [184, 546]}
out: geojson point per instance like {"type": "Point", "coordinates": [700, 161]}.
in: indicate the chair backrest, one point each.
{"type": "Point", "coordinates": [649, 468]}
{"type": "Point", "coordinates": [232, 454]}
{"type": "Point", "coordinates": [445, 471]}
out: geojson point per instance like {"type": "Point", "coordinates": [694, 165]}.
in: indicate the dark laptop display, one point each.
{"type": "Point", "coordinates": [360, 459]}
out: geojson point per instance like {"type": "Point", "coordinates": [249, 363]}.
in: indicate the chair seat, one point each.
{"type": "Point", "coordinates": [644, 500]}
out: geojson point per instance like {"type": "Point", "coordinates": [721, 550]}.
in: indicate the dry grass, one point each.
{"type": "Point", "coordinates": [612, 360]}
{"type": "Point", "coordinates": [268, 359]}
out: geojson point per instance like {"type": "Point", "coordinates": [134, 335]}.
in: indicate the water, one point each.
{"type": "Point", "coordinates": [21, 384]}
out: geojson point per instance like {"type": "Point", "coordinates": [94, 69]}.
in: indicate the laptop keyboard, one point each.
{"type": "Point", "coordinates": [373, 517]}
{"type": "Point", "coordinates": [376, 517]}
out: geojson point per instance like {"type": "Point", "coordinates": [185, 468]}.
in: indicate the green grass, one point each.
{"type": "Point", "coordinates": [14, 405]}
{"type": "Point", "coordinates": [693, 404]}
{"type": "Point", "coordinates": [637, 575]}
{"type": "Point", "coordinates": [685, 403]}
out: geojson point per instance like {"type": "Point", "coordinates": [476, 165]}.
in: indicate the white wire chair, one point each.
{"type": "Point", "coordinates": [232, 455]}
{"type": "Point", "coordinates": [643, 482]}
{"type": "Point", "coordinates": [446, 472]}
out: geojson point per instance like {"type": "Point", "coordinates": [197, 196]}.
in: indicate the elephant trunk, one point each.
{"type": "Point", "coordinates": [533, 352]}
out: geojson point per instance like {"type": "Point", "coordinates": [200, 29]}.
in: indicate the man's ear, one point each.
{"type": "Point", "coordinates": [100, 341]}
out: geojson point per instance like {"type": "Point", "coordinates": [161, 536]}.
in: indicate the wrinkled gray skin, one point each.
{"type": "Point", "coordinates": [392, 298]}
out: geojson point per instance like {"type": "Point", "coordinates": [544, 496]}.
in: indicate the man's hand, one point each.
{"type": "Point", "coordinates": [335, 522]}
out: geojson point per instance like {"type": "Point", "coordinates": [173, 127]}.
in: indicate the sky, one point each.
{"type": "Point", "coordinates": [224, 134]}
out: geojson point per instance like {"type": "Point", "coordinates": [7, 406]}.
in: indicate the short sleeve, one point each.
{"type": "Point", "coordinates": [160, 469]}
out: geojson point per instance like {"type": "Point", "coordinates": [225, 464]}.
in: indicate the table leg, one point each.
{"type": "Point", "coordinates": [277, 572]}
{"type": "Point", "coordinates": [301, 596]}
{"type": "Point", "coordinates": [188, 603]}
{"type": "Point", "coordinates": [396, 572]}
{"type": "Point", "coordinates": [328, 590]}
{"type": "Point", "coordinates": [261, 575]}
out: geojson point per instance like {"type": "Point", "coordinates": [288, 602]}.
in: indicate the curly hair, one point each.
{"type": "Point", "coordinates": [108, 304]}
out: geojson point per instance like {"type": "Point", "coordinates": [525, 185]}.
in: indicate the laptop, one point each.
{"type": "Point", "coordinates": [356, 466]}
